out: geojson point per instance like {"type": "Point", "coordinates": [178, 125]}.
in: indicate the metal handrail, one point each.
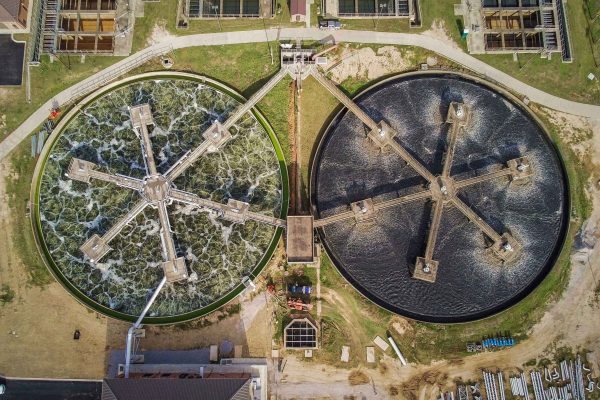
{"type": "Point", "coordinates": [89, 85]}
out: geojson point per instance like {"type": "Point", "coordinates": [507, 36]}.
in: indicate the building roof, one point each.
{"type": "Point", "coordinates": [9, 10]}
{"type": "Point", "coordinates": [300, 247]}
{"type": "Point", "coordinates": [298, 7]}
{"type": "Point", "coordinates": [176, 389]}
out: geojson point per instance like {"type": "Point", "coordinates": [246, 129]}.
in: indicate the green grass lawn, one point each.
{"type": "Point", "coordinates": [46, 81]}
{"type": "Point", "coordinates": [164, 14]}
{"type": "Point", "coordinates": [17, 188]}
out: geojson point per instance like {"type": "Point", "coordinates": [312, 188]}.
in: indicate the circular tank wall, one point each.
{"type": "Point", "coordinates": [378, 256]}
{"type": "Point", "coordinates": [219, 253]}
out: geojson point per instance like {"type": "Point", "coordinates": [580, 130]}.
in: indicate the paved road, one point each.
{"type": "Point", "coordinates": [224, 38]}
{"type": "Point", "coordinates": [34, 389]}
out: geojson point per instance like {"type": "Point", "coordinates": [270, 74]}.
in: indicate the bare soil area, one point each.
{"type": "Point", "coordinates": [370, 64]}
{"type": "Point", "coordinates": [37, 327]}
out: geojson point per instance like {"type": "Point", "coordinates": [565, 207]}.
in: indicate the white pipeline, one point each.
{"type": "Point", "coordinates": [138, 323]}
{"type": "Point", "coordinates": [397, 350]}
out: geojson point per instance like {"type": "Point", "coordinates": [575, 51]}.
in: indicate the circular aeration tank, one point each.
{"type": "Point", "coordinates": [220, 256]}
{"type": "Point", "coordinates": [377, 256]}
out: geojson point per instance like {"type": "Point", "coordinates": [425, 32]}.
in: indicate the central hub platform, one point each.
{"type": "Point", "coordinates": [442, 188]}
{"type": "Point", "coordinates": [156, 188]}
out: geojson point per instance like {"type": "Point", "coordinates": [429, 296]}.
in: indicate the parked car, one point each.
{"type": "Point", "coordinates": [329, 24]}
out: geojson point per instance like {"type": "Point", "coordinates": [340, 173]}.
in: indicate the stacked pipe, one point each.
{"type": "Point", "coordinates": [490, 385]}
{"type": "Point", "coordinates": [518, 386]}
{"type": "Point", "coordinates": [538, 385]}
{"type": "Point", "coordinates": [579, 379]}
{"type": "Point", "coordinates": [501, 386]}
{"type": "Point", "coordinates": [524, 380]}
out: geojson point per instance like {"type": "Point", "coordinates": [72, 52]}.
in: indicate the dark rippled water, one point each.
{"type": "Point", "coordinates": [376, 256]}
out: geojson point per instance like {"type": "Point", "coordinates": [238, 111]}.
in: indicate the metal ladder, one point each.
{"type": "Point", "coordinates": [51, 9]}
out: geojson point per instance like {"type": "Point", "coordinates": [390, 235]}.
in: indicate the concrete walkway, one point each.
{"type": "Point", "coordinates": [225, 38]}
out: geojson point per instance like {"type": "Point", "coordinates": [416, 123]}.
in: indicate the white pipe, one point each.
{"type": "Point", "coordinates": [397, 350]}
{"type": "Point", "coordinates": [138, 323]}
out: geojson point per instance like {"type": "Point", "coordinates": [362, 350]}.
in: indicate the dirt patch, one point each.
{"type": "Point", "coordinates": [578, 132]}
{"type": "Point", "coordinates": [38, 324]}
{"type": "Point", "coordinates": [401, 325]}
{"type": "Point", "coordinates": [358, 377]}
{"type": "Point", "coordinates": [159, 34]}
{"type": "Point", "coordinates": [439, 31]}
{"type": "Point", "coordinates": [370, 64]}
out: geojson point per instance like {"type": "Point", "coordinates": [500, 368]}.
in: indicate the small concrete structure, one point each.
{"type": "Point", "coordinates": [382, 135]}
{"type": "Point", "coordinates": [141, 116]}
{"type": "Point", "coordinates": [217, 136]}
{"type": "Point", "coordinates": [214, 353]}
{"type": "Point", "coordinates": [382, 344]}
{"type": "Point", "coordinates": [520, 168]}
{"type": "Point", "coordinates": [79, 170]}
{"type": "Point", "coordinates": [175, 270]}
{"type": "Point", "coordinates": [300, 247]}
{"type": "Point", "coordinates": [95, 248]}
{"type": "Point", "coordinates": [507, 248]}
{"type": "Point", "coordinates": [237, 351]}
{"type": "Point", "coordinates": [345, 354]}
{"type": "Point", "coordinates": [370, 354]}
{"type": "Point", "coordinates": [156, 188]}
{"type": "Point", "coordinates": [425, 269]}
{"type": "Point", "coordinates": [236, 211]}
{"type": "Point", "coordinates": [363, 210]}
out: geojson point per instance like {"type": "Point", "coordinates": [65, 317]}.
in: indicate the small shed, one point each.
{"type": "Point", "coordinates": [300, 334]}
{"type": "Point", "coordinates": [298, 10]}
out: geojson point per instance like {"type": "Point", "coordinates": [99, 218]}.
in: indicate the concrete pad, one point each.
{"type": "Point", "coordinates": [345, 354]}
{"type": "Point", "coordinates": [308, 353]}
{"type": "Point", "coordinates": [382, 344]}
{"type": "Point", "coordinates": [370, 354]}
{"type": "Point", "coordinates": [214, 352]}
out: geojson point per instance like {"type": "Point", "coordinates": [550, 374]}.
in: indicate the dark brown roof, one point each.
{"type": "Point", "coordinates": [176, 389]}
{"type": "Point", "coordinates": [298, 7]}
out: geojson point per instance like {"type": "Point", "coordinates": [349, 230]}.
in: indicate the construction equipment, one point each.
{"type": "Point", "coordinates": [298, 304]}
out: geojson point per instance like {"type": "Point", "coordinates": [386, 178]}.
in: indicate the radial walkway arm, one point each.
{"type": "Point", "coordinates": [188, 159]}
{"type": "Point", "coordinates": [218, 134]}
{"type": "Point", "coordinates": [255, 98]}
{"type": "Point", "coordinates": [223, 209]}
{"type": "Point", "coordinates": [125, 220]}
{"type": "Point", "coordinates": [434, 229]}
{"type": "Point", "coordinates": [449, 156]}
{"type": "Point", "coordinates": [141, 118]}
{"type": "Point", "coordinates": [474, 218]}
{"type": "Point", "coordinates": [345, 100]}
{"type": "Point", "coordinates": [119, 180]}
{"type": "Point", "coordinates": [81, 170]}
{"type": "Point", "coordinates": [410, 160]}
{"type": "Point", "coordinates": [377, 206]}
{"type": "Point", "coordinates": [165, 232]}
{"type": "Point", "coordinates": [482, 178]}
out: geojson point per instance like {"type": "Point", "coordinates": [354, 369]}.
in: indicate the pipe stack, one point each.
{"type": "Point", "coordinates": [490, 386]}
